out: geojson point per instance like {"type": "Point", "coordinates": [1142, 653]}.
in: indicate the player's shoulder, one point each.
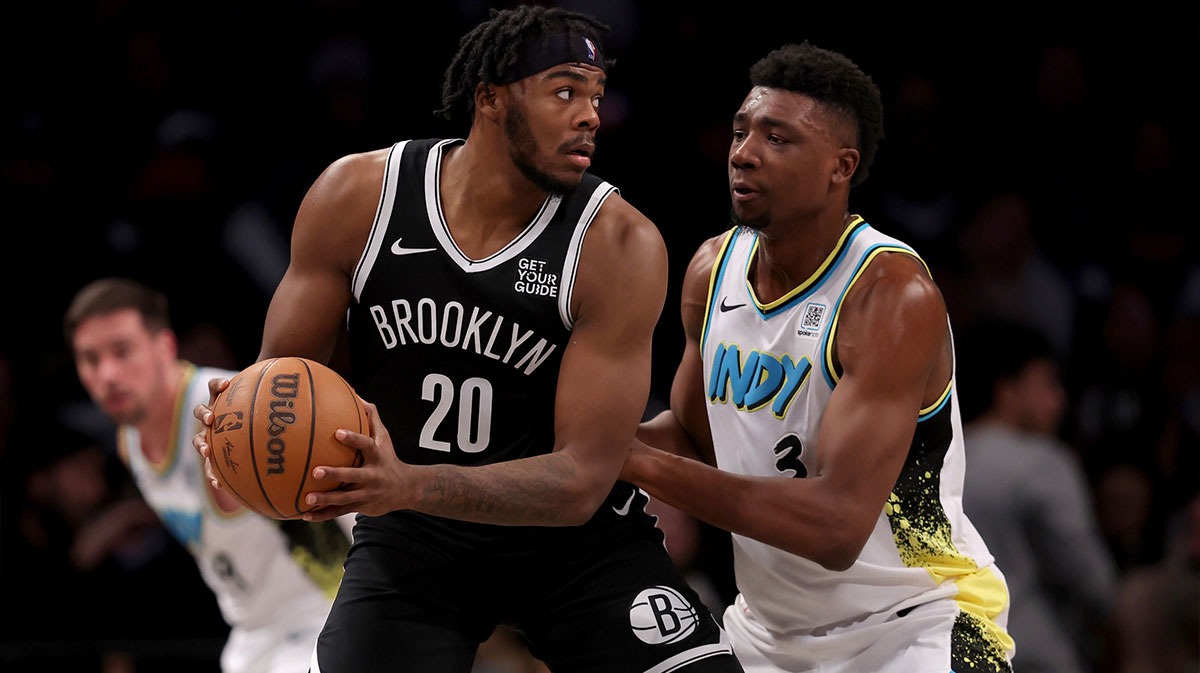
{"type": "Point", "coordinates": [352, 174]}
{"type": "Point", "coordinates": [891, 295]}
{"type": "Point", "coordinates": [899, 279]}
{"type": "Point", "coordinates": [339, 208]}
{"type": "Point", "coordinates": [623, 230]}
{"type": "Point", "coordinates": [353, 181]}
{"type": "Point", "coordinates": [708, 251]}
{"type": "Point", "coordinates": [700, 266]}
{"type": "Point", "coordinates": [623, 262]}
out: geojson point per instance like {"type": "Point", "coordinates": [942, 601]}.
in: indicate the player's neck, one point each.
{"type": "Point", "coordinates": [485, 200]}
{"type": "Point", "coordinates": [155, 429]}
{"type": "Point", "coordinates": [789, 253]}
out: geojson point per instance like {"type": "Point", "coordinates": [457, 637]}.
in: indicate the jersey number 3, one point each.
{"type": "Point", "coordinates": [474, 412]}
{"type": "Point", "coordinates": [787, 456]}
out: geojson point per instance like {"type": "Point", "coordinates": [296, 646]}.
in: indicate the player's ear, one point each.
{"type": "Point", "coordinates": [487, 100]}
{"type": "Point", "coordinates": [846, 162]}
{"type": "Point", "coordinates": [167, 343]}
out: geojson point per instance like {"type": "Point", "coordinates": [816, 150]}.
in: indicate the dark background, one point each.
{"type": "Point", "coordinates": [1040, 159]}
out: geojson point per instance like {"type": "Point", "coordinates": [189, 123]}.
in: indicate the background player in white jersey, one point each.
{"type": "Point", "coordinates": [818, 377]}
{"type": "Point", "coordinates": [499, 303]}
{"type": "Point", "coordinates": [274, 580]}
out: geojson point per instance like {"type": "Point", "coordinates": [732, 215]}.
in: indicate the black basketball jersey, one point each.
{"type": "Point", "coordinates": [461, 356]}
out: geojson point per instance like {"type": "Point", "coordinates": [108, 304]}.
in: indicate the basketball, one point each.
{"type": "Point", "coordinates": [273, 424]}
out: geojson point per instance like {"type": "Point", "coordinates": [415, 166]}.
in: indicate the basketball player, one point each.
{"type": "Point", "coordinates": [500, 303]}
{"type": "Point", "coordinates": [274, 580]}
{"type": "Point", "coordinates": [818, 377]}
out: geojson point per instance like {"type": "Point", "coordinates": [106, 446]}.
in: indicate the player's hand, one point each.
{"type": "Point", "coordinates": [203, 413]}
{"type": "Point", "coordinates": [374, 488]}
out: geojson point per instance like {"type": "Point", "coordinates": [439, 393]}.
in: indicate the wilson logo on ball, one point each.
{"type": "Point", "coordinates": [661, 615]}
{"type": "Point", "coordinates": [283, 388]}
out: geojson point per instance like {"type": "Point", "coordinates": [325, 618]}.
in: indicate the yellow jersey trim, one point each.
{"type": "Point", "coordinates": [941, 400]}
{"type": "Point", "coordinates": [830, 368]}
{"type": "Point", "coordinates": [827, 266]}
{"type": "Point", "coordinates": [714, 279]}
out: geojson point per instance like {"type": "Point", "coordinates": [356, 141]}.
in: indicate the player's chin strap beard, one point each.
{"type": "Point", "coordinates": [558, 48]}
{"type": "Point", "coordinates": [757, 224]}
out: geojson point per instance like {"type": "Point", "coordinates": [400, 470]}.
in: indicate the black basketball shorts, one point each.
{"type": "Point", "coordinates": [424, 604]}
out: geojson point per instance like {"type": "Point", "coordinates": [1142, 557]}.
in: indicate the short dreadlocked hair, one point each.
{"type": "Point", "coordinates": [494, 45]}
{"type": "Point", "coordinates": [832, 80]}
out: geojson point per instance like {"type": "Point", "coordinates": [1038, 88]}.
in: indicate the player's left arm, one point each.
{"type": "Point", "coordinates": [603, 384]}
{"type": "Point", "coordinates": [892, 343]}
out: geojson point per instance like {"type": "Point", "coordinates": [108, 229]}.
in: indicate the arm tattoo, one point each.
{"type": "Point", "coordinates": [533, 491]}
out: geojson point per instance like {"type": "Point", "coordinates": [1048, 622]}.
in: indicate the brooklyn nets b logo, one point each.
{"type": "Point", "coordinates": [661, 615]}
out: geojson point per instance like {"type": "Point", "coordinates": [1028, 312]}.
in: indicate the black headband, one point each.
{"type": "Point", "coordinates": [537, 55]}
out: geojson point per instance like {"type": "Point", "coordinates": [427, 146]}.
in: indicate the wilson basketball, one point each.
{"type": "Point", "coordinates": [273, 424]}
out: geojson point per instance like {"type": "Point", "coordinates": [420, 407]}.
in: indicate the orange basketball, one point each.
{"type": "Point", "coordinates": [273, 424]}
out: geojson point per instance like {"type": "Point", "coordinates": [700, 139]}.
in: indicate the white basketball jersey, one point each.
{"type": "Point", "coordinates": [263, 572]}
{"type": "Point", "coordinates": [769, 371]}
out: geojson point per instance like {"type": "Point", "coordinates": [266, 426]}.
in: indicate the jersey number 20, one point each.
{"type": "Point", "coordinates": [474, 412]}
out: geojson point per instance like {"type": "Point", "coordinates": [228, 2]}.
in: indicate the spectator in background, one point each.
{"type": "Point", "coordinates": [1028, 496]}
{"type": "Point", "coordinates": [1009, 276]}
{"type": "Point", "coordinates": [923, 201]}
{"type": "Point", "coordinates": [1121, 403]}
{"type": "Point", "coordinates": [1158, 616]}
{"type": "Point", "coordinates": [1128, 513]}
{"type": "Point", "coordinates": [1178, 453]}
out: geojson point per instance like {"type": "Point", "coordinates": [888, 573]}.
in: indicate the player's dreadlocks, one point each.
{"type": "Point", "coordinates": [834, 80]}
{"type": "Point", "coordinates": [492, 46]}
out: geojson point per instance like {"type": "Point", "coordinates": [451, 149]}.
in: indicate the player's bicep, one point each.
{"type": "Point", "coordinates": [689, 400]}
{"type": "Point", "coordinates": [305, 314]}
{"type": "Point", "coordinates": [604, 380]}
{"type": "Point", "coordinates": [602, 392]}
{"type": "Point", "coordinates": [890, 341]}
{"type": "Point", "coordinates": [309, 305]}
{"type": "Point", "coordinates": [864, 437]}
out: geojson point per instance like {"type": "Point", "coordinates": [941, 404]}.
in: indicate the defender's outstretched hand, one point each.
{"type": "Point", "coordinates": [378, 486]}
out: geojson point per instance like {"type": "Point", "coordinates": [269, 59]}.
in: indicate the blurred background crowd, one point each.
{"type": "Point", "coordinates": [1041, 162]}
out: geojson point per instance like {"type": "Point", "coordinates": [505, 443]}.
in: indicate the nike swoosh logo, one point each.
{"type": "Point", "coordinates": [725, 307]}
{"type": "Point", "coordinates": [622, 511]}
{"type": "Point", "coordinates": [397, 250]}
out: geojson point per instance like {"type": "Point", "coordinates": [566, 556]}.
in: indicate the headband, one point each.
{"type": "Point", "coordinates": [558, 48]}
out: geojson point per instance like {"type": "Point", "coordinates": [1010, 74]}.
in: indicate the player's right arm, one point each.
{"type": "Point", "coordinates": [328, 237]}
{"type": "Point", "coordinates": [683, 429]}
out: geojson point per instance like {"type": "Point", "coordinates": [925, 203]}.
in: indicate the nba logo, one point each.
{"type": "Point", "coordinates": [591, 49]}
{"type": "Point", "coordinates": [661, 615]}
